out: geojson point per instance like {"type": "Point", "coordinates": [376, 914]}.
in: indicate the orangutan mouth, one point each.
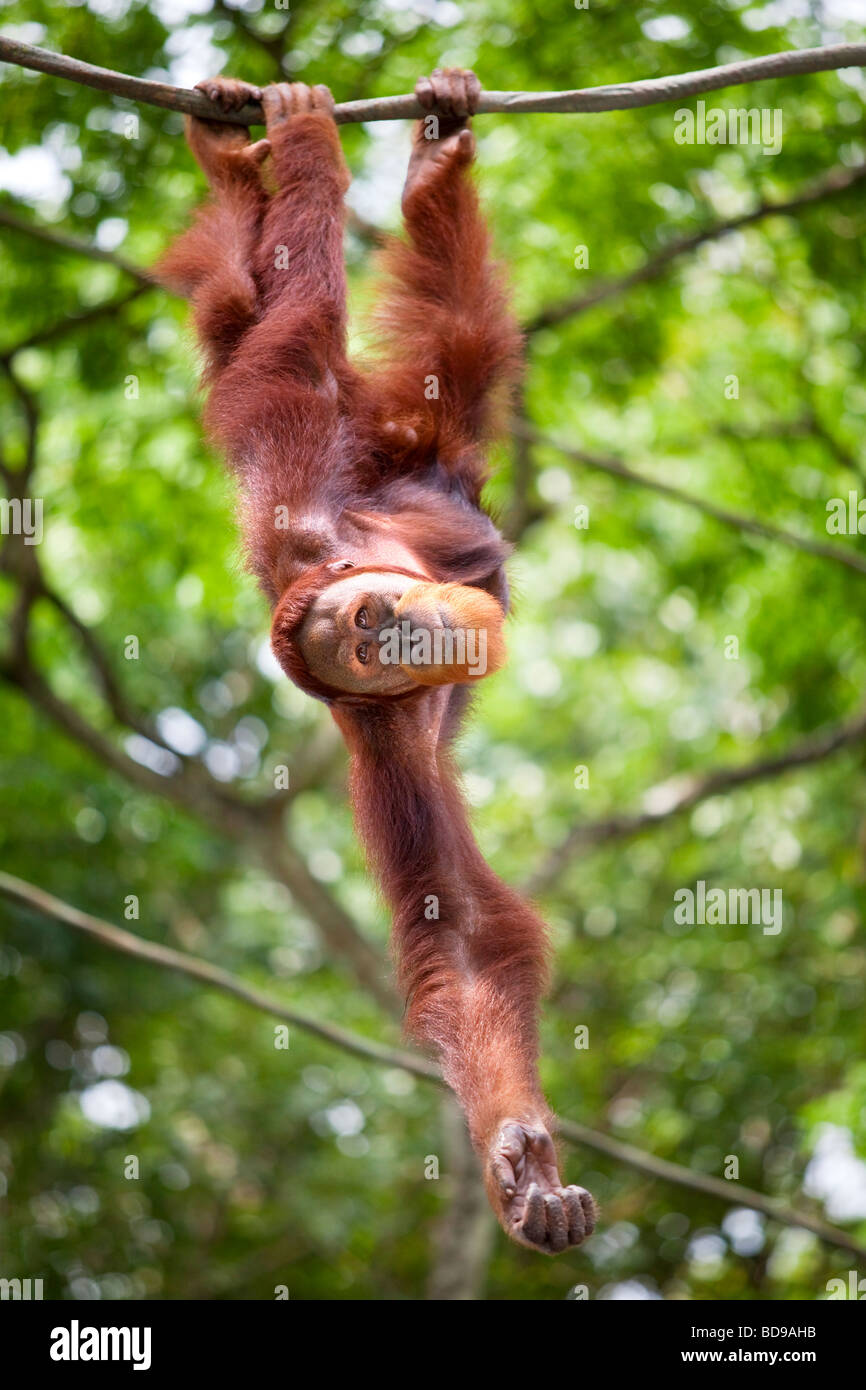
{"type": "Point", "coordinates": [452, 647]}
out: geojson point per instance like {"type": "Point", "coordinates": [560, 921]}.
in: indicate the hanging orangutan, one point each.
{"type": "Point", "coordinates": [360, 504]}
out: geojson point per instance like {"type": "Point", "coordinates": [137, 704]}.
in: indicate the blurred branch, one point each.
{"type": "Point", "coordinates": [830, 185]}
{"type": "Point", "coordinates": [70, 322]}
{"type": "Point", "coordinates": [739, 520]}
{"type": "Point", "coordinates": [359, 226]}
{"type": "Point", "coordinates": [192, 786]}
{"type": "Point", "coordinates": [321, 754]}
{"type": "Point", "coordinates": [800, 428]}
{"type": "Point", "coordinates": [64, 242]}
{"type": "Point", "coordinates": [616, 97]}
{"type": "Point", "coordinates": [840, 451]}
{"type": "Point", "coordinates": [363, 229]}
{"type": "Point", "coordinates": [810, 750]}
{"type": "Point", "coordinates": [179, 962]}
{"type": "Point", "coordinates": [807, 426]}
{"type": "Point", "coordinates": [274, 45]}
{"type": "Point", "coordinates": [183, 789]}
{"type": "Point", "coordinates": [337, 928]}
{"type": "Point", "coordinates": [464, 1228]}
{"type": "Point", "coordinates": [812, 418]}
{"type": "Point", "coordinates": [727, 1190]}
{"type": "Point", "coordinates": [194, 790]}
{"type": "Point", "coordinates": [375, 62]}
{"type": "Point", "coordinates": [837, 181]}
{"type": "Point", "coordinates": [524, 509]}
{"type": "Point", "coordinates": [114, 697]}
{"type": "Point", "coordinates": [20, 477]}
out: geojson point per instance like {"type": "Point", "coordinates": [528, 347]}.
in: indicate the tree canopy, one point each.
{"type": "Point", "coordinates": [683, 704]}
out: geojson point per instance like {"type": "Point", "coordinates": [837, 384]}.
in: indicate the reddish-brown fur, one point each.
{"type": "Point", "coordinates": [373, 472]}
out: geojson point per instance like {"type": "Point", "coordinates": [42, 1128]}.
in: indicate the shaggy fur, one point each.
{"type": "Point", "coordinates": [377, 471]}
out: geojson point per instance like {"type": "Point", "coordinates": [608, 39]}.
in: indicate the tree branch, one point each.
{"type": "Point", "coordinates": [100, 664]}
{"type": "Point", "coordinates": [70, 243]}
{"type": "Point", "coordinates": [807, 426]}
{"type": "Point", "coordinates": [725, 1189]}
{"type": "Point", "coordinates": [525, 509]}
{"type": "Point", "coordinates": [840, 451]}
{"type": "Point", "coordinates": [179, 962]}
{"type": "Point", "coordinates": [836, 181]}
{"type": "Point", "coordinates": [30, 411]}
{"type": "Point", "coordinates": [73, 321]}
{"type": "Point", "coordinates": [184, 790]}
{"type": "Point", "coordinates": [617, 97]}
{"type": "Point", "coordinates": [337, 928]}
{"type": "Point", "coordinates": [464, 1228]}
{"type": "Point", "coordinates": [851, 559]}
{"type": "Point", "coordinates": [193, 787]}
{"type": "Point", "coordinates": [274, 45]}
{"type": "Point", "coordinates": [673, 802]}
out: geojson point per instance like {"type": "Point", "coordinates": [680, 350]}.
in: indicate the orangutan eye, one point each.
{"type": "Point", "coordinates": [362, 618]}
{"type": "Point", "coordinates": [363, 653]}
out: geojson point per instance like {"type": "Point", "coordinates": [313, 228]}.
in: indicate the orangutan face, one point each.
{"type": "Point", "coordinates": [389, 633]}
{"type": "Point", "coordinates": [339, 639]}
